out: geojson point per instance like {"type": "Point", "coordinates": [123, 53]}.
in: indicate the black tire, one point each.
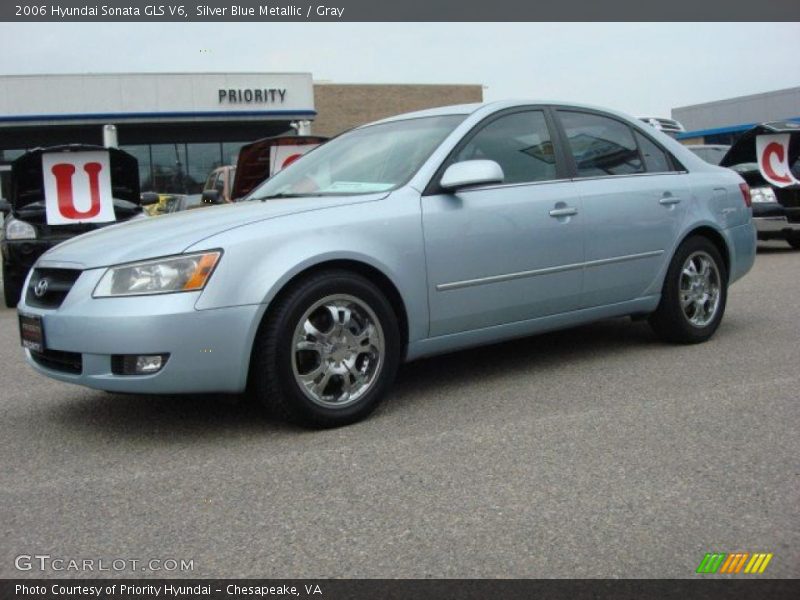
{"type": "Point", "coordinates": [272, 375]}
{"type": "Point", "coordinates": [794, 240]}
{"type": "Point", "coordinates": [12, 288]}
{"type": "Point", "coordinates": [669, 320]}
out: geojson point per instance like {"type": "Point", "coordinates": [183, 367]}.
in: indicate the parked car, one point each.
{"type": "Point", "coordinates": [669, 126]}
{"type": "Point", "coordinates": [27, 234]}
{"type": "Point", "coordinates": [711, 153]}
{"type": "Point", "coordinates": [416, 235]}
{"type": "Point", "coordinates": [220, 180]}
{"type": "Point", "coordinates": [776, 210]}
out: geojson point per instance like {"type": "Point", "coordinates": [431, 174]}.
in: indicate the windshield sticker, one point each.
{"type": "Point", "coordinates": [773, 159]}
{"type": "Point", "coordinates": [77, 187]}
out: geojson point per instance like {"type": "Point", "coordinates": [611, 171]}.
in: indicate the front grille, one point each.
{"type": "Point", "coordinates": [48, 287]}
{"type": "Point", "coordinates": [68, 362]}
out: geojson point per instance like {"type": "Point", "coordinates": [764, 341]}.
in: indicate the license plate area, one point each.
{"type": "Point", "coordinates": [31, 332]}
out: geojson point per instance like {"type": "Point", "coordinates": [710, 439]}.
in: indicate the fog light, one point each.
{"type": "Point", "coordinates": [149, 363]}
{"type": "Point", "coordinates": [138, 364]}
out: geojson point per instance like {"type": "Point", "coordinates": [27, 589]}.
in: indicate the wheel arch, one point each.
{"type": "Point", "coordinates": [373, 274]}
{"type": "Point", "coordinates": [716, 238]}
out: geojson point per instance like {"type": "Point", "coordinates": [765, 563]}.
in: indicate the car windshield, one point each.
{"type": "Point", "coordinates": [372, 159]}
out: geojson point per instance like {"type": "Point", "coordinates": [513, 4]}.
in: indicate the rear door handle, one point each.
{"type": "Point", "coordinates": [564, 212]}
{"type": "Point", "coordinates": [668, 200]}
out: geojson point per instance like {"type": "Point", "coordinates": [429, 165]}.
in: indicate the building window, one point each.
{"type": "Point", "coordinates": [169, 169]}
{"type": "Point", "coordinates": [230, 152]}
{"type": "Point", "coordinates": [142, 154]}
{"type": "Point", "coordinates": [10, 155]}
{"type": "Point", "coordinates": [202, 159]}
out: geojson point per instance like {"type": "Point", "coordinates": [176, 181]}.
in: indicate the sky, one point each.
{"type": "Point", "coordinates": [645, 69]}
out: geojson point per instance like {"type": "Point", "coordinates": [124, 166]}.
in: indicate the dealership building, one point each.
{"type": "Point", "coordinates": [180, 126]}
{"type": "Point", "coordinates": [721, 122]}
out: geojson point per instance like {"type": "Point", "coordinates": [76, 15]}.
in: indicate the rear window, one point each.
{"type": "Point", "coordinates": [655, 159]}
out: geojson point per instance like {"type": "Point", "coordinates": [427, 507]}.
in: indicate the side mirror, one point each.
{"type": "Point", "coordinates": [211, 197]}
{"type": "Point", "coordinates": [471, 172]}
{"type": "Point", "coordinates": [5, 206]}
{"type": "Point", "coordinates": [149, 198]}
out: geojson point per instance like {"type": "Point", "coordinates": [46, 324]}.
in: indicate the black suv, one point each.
{"type": "Point", "coordinates": [776, 210]}
{"type": "Point", "coordinates": [26, 234]}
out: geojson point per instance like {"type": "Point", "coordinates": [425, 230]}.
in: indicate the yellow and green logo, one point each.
{"type": "Point", "coordinates": [721, 562]}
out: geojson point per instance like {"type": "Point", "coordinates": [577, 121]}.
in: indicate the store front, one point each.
{"type": "Point", "coordinates": [180, 126]}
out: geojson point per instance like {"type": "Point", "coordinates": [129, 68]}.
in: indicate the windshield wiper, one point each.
{"type": "Point", "coordinates": [284, 195]}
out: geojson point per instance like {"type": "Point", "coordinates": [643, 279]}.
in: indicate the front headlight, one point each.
{"type": "Point", "coordinates": [19, 230]}
{"type": "Point", "coordinates": [184, 273]}
{"type": "Point", "coordinates": [763, 194]}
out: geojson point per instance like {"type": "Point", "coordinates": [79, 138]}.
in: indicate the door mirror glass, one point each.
{"type": "Point", "coordinates": [471, 172]}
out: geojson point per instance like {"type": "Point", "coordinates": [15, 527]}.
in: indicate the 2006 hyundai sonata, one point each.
{"type": "Point", "coordinates": [416, 235]}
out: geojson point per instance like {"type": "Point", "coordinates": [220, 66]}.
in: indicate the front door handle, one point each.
{"type": "Point", "coordinates": [564, 212]}
{"type": "Point", "coordinates": [669, 200]}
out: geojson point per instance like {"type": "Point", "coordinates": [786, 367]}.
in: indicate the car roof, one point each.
{"type": "Point", "coordinates": [454, 109]}
{"type": "Point", "coordinates": [468, 109]}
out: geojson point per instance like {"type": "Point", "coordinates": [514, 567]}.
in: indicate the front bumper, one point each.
{"type": "Point", "coordinates": [209, 350]}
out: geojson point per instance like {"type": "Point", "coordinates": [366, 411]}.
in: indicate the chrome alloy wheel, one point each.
{"type": "Point", "coordinates": [699, 289]}
{"type": "Point", "coordinates": [337, 351]}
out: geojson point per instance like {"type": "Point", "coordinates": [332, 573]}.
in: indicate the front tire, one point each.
{"type": "Point", "coordinates": [694, 294]}
{"type": "Point", "coordinates": [794, 240]}
{"type": "Point", "coordinates": [328, 351]}
{"type": "Point", "coordinates": [12, 288]}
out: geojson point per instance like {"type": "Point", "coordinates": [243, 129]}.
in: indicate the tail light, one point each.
{"type": "Point", "coordinates": [748, 201]}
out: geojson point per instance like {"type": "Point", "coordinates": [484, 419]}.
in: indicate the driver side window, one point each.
{"type": "Point", "coordinates": [519, 142]}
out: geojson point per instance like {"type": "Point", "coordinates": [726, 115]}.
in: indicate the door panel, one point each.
{"type": "Point", "coordinates": [632, 223]}
{"type": "Point", "coordinates": [633, 204]}
{"type": "Point", "coordinates": [496, 256]}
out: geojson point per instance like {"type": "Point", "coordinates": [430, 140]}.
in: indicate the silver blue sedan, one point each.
{"type": "Point", "coordinates": [420, 234]}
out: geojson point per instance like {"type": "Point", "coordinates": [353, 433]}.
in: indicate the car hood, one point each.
{"type": "Point", "coordinates": [27, 194]}
{"type": "Point", "coordinates": [169, 234]}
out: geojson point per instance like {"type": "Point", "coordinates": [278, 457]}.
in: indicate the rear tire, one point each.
{"type": "Point", "coordinates": [12, 288]}
{"type": "Point", "coordinates": [327, 351]}
{"type": "Point", "coordinates": [794, 240]}
{"type": "Point", "coordinates": [694, 294]}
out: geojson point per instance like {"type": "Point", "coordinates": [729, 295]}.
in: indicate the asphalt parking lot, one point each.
{"type": "Point", "coordinates": [596, 452]}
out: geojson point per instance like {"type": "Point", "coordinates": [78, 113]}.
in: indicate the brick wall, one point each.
{"type": "Point", "coordinates": [342, 106]}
